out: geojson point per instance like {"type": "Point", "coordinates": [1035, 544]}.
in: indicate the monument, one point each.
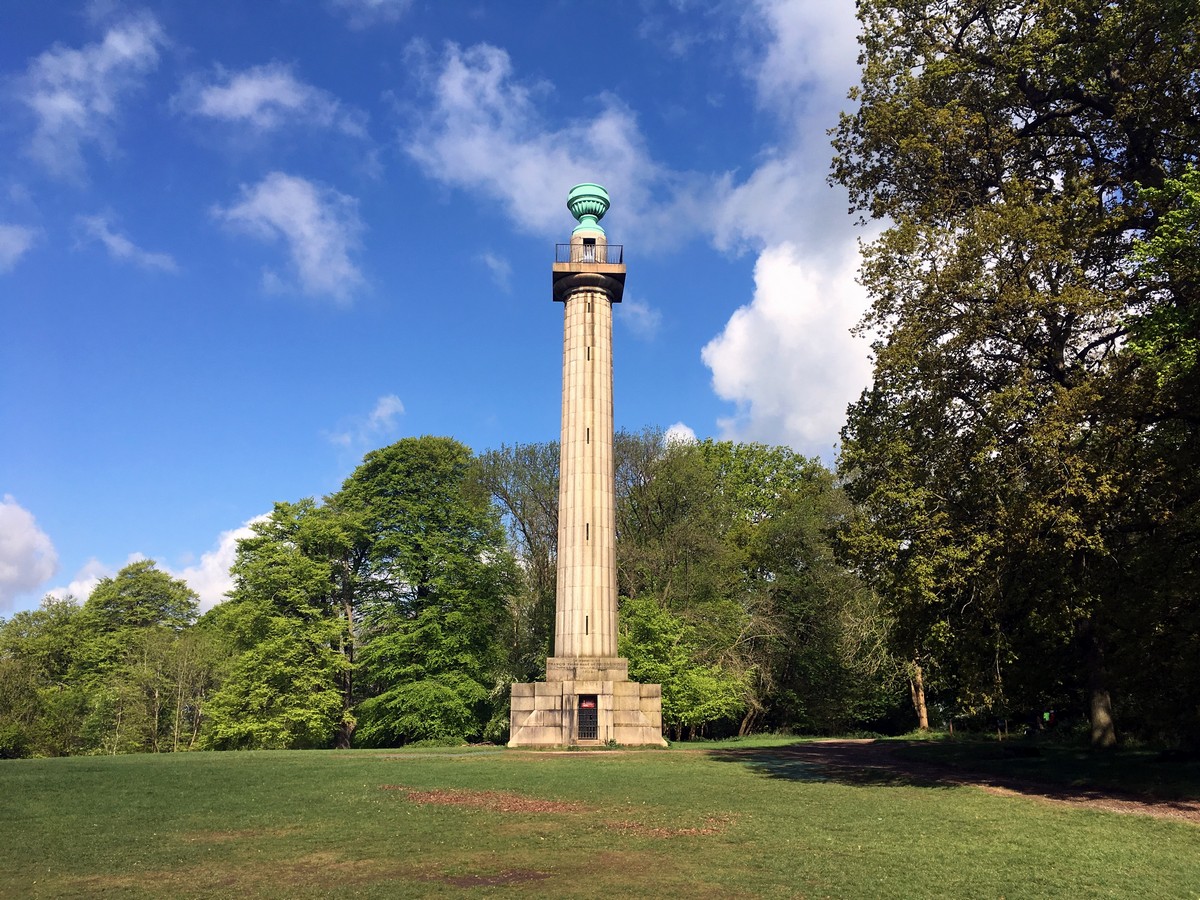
{"type": "Point", "coordinates": [587, 697]}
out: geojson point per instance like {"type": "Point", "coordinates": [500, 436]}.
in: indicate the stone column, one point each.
{"type": "Point", "coordinates": [586, 622]}
{"type": "Point", "coordinates": [585, 679]}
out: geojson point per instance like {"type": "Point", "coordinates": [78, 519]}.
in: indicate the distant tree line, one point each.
{"type": "Point", "coordinates": [401, 608]}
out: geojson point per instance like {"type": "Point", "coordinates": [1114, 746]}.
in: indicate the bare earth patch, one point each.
{"type": "Point", "coordinates": [712, 825]}
{"type": "Point", "coordinates": [511, 876]}
{"type": "Point", "coordinates": [506, 802]}
{"type": "Point", "coordinates": [497, 801]}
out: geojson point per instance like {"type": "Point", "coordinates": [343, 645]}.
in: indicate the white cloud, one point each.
{"type": "Point", "coordinates": [377, 425]}
{"type": "Point", "coordinates": [788, 360]}
{"type": "Point", "coordinates": [809, 57]}
{"type": "Point", "coordinates": [210, 578]}
{"type": "Point", "coordinates": [362, 13]}
{"type": "Point", "coordinates": [387, 409]}
{"type": "Point", "coordinates": [801, 55]}
{"type": "Point", "coordinates": [680, 433]}
{"type": "Point", "coordinates": [500, 268]}
{"type": "Point", "coordinates": [85, 580]}
{"type": "Point", "coordinates": [97, 228]}
{"type": "Point", "coordinates": [640, 318]}
{"type": "Point", "coordinates": [320, 226]}
{"type": "Point", "coordinates": [267, 98]}
{"type": "Point", "coordinates": [15, 242]}
{"type": "Point", "coordinates": [27, 555]}
{"type": "Point", "coordinates": [75, 95]}
{"type": "Point", "coordinates": [483, 133]}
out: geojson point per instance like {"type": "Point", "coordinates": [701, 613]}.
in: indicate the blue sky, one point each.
{"type": "Point", "coordinates": [243, 243]}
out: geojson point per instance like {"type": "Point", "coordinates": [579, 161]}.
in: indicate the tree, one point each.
{"type": "Point", "coordinates": [128, 629]}
{"type": "Point", "coordinates": [734, 543]}
{"type": "Point", "coordinates": [289, 628]}
{"type": "Point", "coordinates": [663, 649]}
{"type": "Point", "coordinates": [1014, 147]}
{"type": "Point", "coordinates": [41, 710]}
{"type": "Point", "coordinates": [434, 587]}
{"type": "Point", "coordinates": [523, 482]}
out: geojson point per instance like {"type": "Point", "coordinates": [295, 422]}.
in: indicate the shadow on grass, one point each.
{"type": "Point", "coordinates": [868, 763]}
{"type": "Point", "coordinates": [863, 763]}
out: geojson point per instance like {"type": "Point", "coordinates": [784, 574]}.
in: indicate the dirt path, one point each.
{"type": "Point", "coordinates": [872, 762]}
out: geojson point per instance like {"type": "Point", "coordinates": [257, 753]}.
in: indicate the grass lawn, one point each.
{"type": "Point", "coordinates": [680, 822]}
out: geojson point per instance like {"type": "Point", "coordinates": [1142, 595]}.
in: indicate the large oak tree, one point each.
{"type": "Point", "coordinates": [1017, 462]}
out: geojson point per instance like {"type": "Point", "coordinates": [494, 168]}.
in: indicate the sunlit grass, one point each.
{"type": "Point", "coordinates": [690, 821]}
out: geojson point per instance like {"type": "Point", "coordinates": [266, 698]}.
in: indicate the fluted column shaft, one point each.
{"type": "Point", "coordinates": [586, 617]}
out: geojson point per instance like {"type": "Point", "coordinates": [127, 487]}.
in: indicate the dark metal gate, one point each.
{"type": "Point", "coordinates": [589, 726]}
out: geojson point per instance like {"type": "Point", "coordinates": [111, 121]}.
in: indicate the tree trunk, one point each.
{"type": "Point", "coordinates": [916, 688]}
{"type": "Point", "coordinates": [1104, 731]}
{"type": "Point", "coordinates": [346, 727]}
{"type": "Point", "coordinates": [345, 730]}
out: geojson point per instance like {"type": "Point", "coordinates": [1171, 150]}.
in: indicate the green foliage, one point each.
{"type": "Point", "coordinates": [447, 707]}
{"type": "Point", "coordinates": [123, 673]}
{"type": "Point", "coordinates": [288, 673]}
{"type": "Point", "coordinates": [1016, 457]}
{"type": "Point", "coordinates": [282, 693]}
{"type": "Point", "coordinates": [41, 710]}
{"type": "Point", "coordinates": [1166, 337]}
{"type": "Point", "coordinates": [735, 542]}
{"type": "Point", "coordinates": [440, 577]}
{"type": "Point", "coordinates": [663, 649]}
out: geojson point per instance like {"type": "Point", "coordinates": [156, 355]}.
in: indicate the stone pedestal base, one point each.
{"type": "Point", "coordinates": [547, 714]}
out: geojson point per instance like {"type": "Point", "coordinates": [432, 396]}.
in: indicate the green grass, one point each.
{"type": "Point", "coordinates": [684, 822]}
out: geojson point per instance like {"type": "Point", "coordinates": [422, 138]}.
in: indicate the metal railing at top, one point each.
{"type": "Point", "coordinates": [589, 253]}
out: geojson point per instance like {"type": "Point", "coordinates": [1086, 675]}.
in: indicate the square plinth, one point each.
{"type": "Point", "coordinates": [586, 711]}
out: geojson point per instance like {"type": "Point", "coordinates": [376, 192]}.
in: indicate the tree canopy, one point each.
{"type": "Point", "coordinates": [1020, 455]}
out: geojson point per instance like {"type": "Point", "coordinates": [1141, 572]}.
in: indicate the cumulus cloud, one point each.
{"type": "Point", "coordinates": [787, 360]}
{"type": "Point", "coordinates": [801, 56]}
{"type": "Point", "coordinates": [15, 242]}
{"type": "Point", "coordinates": [363, 13]}
{"type": "Point", "coordinates": [210, 578]}
{"type": "Point", "coordinates": [377, 425]}
{"type": "Point", "coordinates": [75, 95]}
{"type": "Point", "coordinates": [639, 317]}
{"type": "Point", "coordinates": [27, 555]}
{"type": "Point", "coordinates": [808, 57]}
{"type": "Point", "coordinates": [680, 433]}
{"type": "Point", "coordinates": [119, 247]}
{"type": "Point", "coordinates": [319, 225]}
{"type": "Point", "coordinates": [89, 575]}
{"type": "Point", "coordinates": [266, 98]}
{"type": "Point", "coordinates": [483, 132]}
